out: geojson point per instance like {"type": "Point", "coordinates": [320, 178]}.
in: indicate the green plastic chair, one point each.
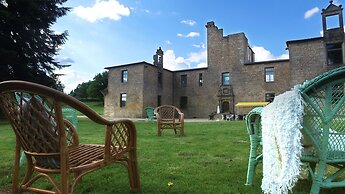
{"type": "Point", "coordinates": [150, 113]}
{"type": "Point", "coordinates": [323, 131]}
{"type": "Point", "coordinates": [71, 115]}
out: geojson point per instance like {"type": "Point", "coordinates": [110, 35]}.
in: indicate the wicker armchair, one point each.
{"type": "Point", "coordinates": [323, 131]}
{"type": "Point", "coordinates": [253, 123]}
{"type": "Point", "coordinates": [169, 117]}
{"type": "Point", "coordinates": [51, 144]}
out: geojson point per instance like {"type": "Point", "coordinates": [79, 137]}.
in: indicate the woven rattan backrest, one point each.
{"type": "Point", "coordinates": [324, 118]}
{"type": "Point", "coordinates": [33, 121]}
{"type": "Point", "coordinates": [168, 112]}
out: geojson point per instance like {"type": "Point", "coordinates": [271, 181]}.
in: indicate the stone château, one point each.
{"type": "Point", "coordinates": [231, 75]}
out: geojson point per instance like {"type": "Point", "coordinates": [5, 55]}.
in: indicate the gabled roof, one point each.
{"type": "Point", "coordinates": [132, 64]}
{"type": "Point", "coordinates": [129, 64]}
{"type": "Point", "coordinates": [267, 62]}
{"type": "Point", "coordinates": [303, 40]}
{"type": "Point", "coordinates": [146, 63]}
{"type": "Point", "coordinates": [332, 8]}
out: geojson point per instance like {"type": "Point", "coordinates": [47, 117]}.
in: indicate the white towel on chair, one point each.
{"type": "Point", "coordinates": [282, 148]}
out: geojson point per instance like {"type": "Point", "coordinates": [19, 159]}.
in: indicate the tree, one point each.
{"type": "Point", "coordinates": [81, 91]}
{"type": "Point", "coordinates": [92, 89]}
{"type": "Point", "coordinates": [27, 44]}
{"type": "Point", "coordinates": [98, 85]}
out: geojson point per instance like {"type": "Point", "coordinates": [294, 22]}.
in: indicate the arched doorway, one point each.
{"type": "Point", "coordinates": [225, 107]}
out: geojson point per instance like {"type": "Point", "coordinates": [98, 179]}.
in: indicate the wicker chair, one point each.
{"type": "Point", "coordinates": [323, 131]}
{"type": "Point", "coordinates": [169, 117]}
{"type": "Point", "coordinates": [253, 123]}
{"type": "Point", "coordinates": [69, 114]}
{"type": "Point", "coordinates": [51, 144]}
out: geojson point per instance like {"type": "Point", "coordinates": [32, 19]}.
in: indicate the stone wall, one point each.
{"type": "Point", "coordinates": [197, 95]}
{"type": "Point", "coordinates": [133, 88]}
{"type": "Point", "coordinates": [152, 88]}
{"type": "Point", "coordinates": [308, 59]}
{"type": "Point", "coordinates": [142, 90]}
{"type": "Point", "coordinates": [231, 53]}
{"type": "Point", "coordinates": [253, 86]}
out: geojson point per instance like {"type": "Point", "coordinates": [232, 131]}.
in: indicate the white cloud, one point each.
{"type": "Point", "coordinates": [189, 35]}
{"type": "Point", "coordinates": [198, 57]}
{"type": "Point", "coordinates": [336, 2]}
{"type": "Point", "coordinates": [201, 45]}
{"type": "Point", "coordinates": [189, 22]}
{"type": "Point", "coordinates": [167, 42]}
{"type": "Point", "coordinates": [261, 54]}
{"type": "Point", "coordinates": [194, 60]}
{"type": "Point", "coordinates": [193, 34]}
{"type": "Point", "coordinates": [110, 9]}
{"type": "Point", "coordinates": [311, 12]}
{"type": "Point", "coordinates": [71, 78]}
{"type": "Point", "coordinates": [65, 60]}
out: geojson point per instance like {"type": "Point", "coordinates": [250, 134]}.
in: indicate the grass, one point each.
{"type": "Point", "coordinates": [96, 106]}
{"type": "Point", "coordinates": [211, 158]}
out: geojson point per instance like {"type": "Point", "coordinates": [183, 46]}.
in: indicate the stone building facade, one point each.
{"type": "Point", "coordinates": [231, 75]}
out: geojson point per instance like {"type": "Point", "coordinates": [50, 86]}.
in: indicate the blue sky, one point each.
{"type": "Point", "coordinates": [105, 33]}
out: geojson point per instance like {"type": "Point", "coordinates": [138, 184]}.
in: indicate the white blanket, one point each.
{"type": "Point", "coordinates": [282, 148]}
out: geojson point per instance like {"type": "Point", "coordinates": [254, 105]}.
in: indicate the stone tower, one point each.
{"type": "Point", "coordinates": [333, 32]}
{"type": "Point", "coordinates": [332, 23]}
{"type": "Point", "coordinates": [158, 59]}
{"type": "Point", "coordinates": [158, 62]}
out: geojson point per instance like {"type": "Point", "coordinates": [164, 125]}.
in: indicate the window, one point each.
{"type": "Point", "coordinates": [250, 55]}
{"type": "Point", "coordinates": [334, 54]}
{"type": "Point", "coordinates": [183, 102]}
{"type": "Point", "coordinates": [183, 80]}
{"type": "Point", "coordinates": [200, 79]}
{"type": "Point", "coordinates": [159, 100]}
{"type": "Point", "coordinates": [269, 97]}
{"type": "Point", "coordinates": [123, 99]}
{"type": "Point", "coordinates": [160, 78]}
{"type": "Point", "coordinates": [269, 74]}
{"type": "Point", "coordinates": [226, 79]}
{"type": "Point", "coordinates": [124, 76]}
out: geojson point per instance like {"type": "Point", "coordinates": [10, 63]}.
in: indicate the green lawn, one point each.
{"type": "Point", "coordinates": [96, 106]}
{"type": "Point", "coordinates": [211, 158]}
